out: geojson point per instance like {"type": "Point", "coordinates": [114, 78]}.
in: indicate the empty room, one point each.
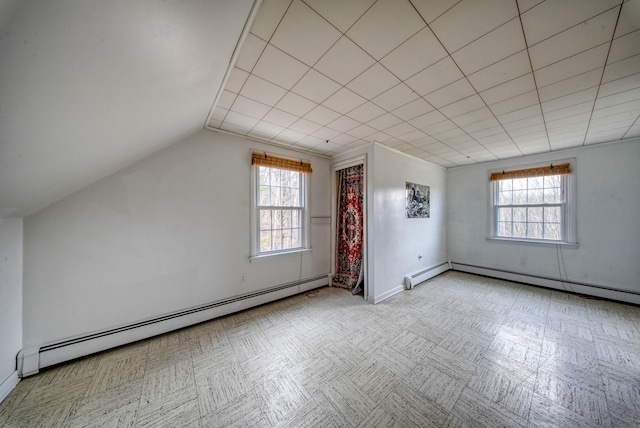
{"type": "Point", "coordinates": [320, 213]}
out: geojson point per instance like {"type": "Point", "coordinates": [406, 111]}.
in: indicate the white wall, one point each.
{"type": "Point", "coordinates": [165, 234]}
{"type": "Point", "coordinates": [394, 241]}
{"type": "Point", "coordinates": [10, 300]}
{"type": "Point", "coordinates": [608, 209]}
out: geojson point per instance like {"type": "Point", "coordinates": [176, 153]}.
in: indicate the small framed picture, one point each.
{"type": "Point", "coordinates": [418, 200]}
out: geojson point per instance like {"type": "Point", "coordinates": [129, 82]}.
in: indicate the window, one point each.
{"type": "Point", "coordinates": [531, 204]}
{"type": "Point", "coordinates": [280, 204]}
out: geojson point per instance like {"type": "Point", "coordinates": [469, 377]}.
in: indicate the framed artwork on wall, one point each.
{"type": "Point", "coordinates": [418, 200]}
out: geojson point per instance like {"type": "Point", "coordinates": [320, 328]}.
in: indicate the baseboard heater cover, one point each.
{"type": "Point", "coordinates": [416, 278]}
{"type": "Point", "coordinates": [31, 360]}
{"type": "Point", "coordinates": [627, 296]}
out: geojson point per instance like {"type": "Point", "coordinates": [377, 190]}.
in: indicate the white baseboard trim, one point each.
{"type": "Point", "coordinates": [386, 295]}
{"type": "Point", "coordinates": [418, 277]}
{"type": "Point", "coordinates": [35, 358]}
{"type": "Point", "coordinates": [8, 384]}
{"type": "Point", "coordinates": [570, 286]}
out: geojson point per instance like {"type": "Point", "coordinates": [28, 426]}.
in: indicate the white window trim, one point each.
{"type": "Point", "coordinates": [256, 255]}
{"type": "Point", "coordinates": [569, 226]}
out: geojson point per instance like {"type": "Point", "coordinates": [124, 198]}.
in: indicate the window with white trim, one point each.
{"type": "Point", "coordinates": [531, 204]}
{"type": "Point", "coordinates": [279, 205]}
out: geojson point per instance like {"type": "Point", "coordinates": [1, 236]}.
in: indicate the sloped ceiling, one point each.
{"type": "Point", "coordinates": [452, 82]}
{"type": "Point", "coordinates": [88, 87]}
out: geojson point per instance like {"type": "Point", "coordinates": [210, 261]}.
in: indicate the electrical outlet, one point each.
{"type": "Point", "coordinates": [523, 260]}
{"type": "Point", "coordinates": [419, 256]}
{"type": "Point", "coordinates": [243, 277]}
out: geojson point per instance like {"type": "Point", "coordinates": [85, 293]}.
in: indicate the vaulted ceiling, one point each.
{"type": "Point", "coordinates": [452, 82]}
{"type": "Point", "coordinates": [87, 88]}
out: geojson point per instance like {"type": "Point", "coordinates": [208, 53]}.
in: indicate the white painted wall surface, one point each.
{"type": "Point", "coordinates": [608, 209]}
{"type": "Point", "coordinates": [165, 234]}
{"type": "Point", "coordinates": [399, 239]}
{"type": "Point", "coordinates": [10, 296]}
{"type": "Point", "coordinates": [394, 241]}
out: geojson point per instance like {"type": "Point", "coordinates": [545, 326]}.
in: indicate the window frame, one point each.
{"type": "Point", "coordinates": [568, 223]}
{"type": "Point", "coordinates": [256, 254]}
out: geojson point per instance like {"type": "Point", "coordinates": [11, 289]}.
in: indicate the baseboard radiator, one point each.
{"type": "Point", "coordinates": [595, 290]}
{"type": "Point", "coordinates": [411, 280]}
{"type": "Point", "coordinates": [31, 360]}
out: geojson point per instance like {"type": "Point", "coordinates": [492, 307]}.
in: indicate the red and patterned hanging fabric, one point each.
{"type": "Point", "coordinates": [350, 231]}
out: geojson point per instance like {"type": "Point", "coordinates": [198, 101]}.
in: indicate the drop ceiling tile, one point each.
{"type": "Point", "coordinates": [567, 142]}
{"type": "Point", "coordinates": [226, 99]}
{"type": "Point", "coordinates": [399, 19]}
{"type": "Point", "coordinates": [612, 122]}
{"type": "Point", "coordinates": [617, 98]}
{"type": "Point", "coordinates": [280, 118]}
{"type": "Point", "coordinates": [344, 61]}
{"type": "Point", "coordinates": [325, 133]}
{"type": "Point", "coordinates": [427, 119]}
{"type": "Point", "coordinates": [528, 132]}
{"type": "Point", "coordinates": [262, 91]}
{"type": "Point", "coordinates": [552, 17]}
{"type": "Point", "coordinates": [236, 80]}
{"type": "Point", "coordinates": [449, 135]}
{"type": "Point", "coordinates": [419, 52]}
{"type": "Point", "coordinates": [403, 147]}
{"type": "Point", "coordinates": [620, 85]}
{"type": "Point", "coordinates": [523, 113]}
{"type": "Point", "coordinates": [315, 86]}
{"type": "Point", "coordinates": [621, 69]}
{"type": "Point", "coordinates": [469, 20]}
{"type": "Point", "coordinates": [310, 141]}
{"type": "Point", "coordinates": [631, 107]}
{"type": "Point", "coordinates": [566, 123]}
{"type": "Point", "coordinates": [340, 13]}
{"type": "Point", "coordinates": [485, 120]}
{"type": "Point", "coordinates": [463, 106]}
{"type": "Point", "coordinates": [252, 48]}
{"type": "Point", "coordinates": [629, 18]}
{"type": "Point", "coordinates": [503, 71]}
{"type": "Point", "coordinates": [343, 139]}
{"type": "Point", "coordinates": [571, 85]}
{"type": "Point", "coordinates": [399, 129]}
{"type": "Point", "coordinates": [573, 66]}
{"type": "Point", "coordinates": [322, 115]}
{"type": "Point", "coordinates": [509, 89]}
{"type": "Point", "coordinates": [415, 135]}
{"type": "Point", "coordinates": [219, 113]}
{"type": "Point", "coordinates": [279, 68]}
{"type": "Point", "coordinates": [266, 130]}
{"type": "Point", "coordinates": [366, 112]}
{"type": "Point", "coordinates": [571, 111]}
{"type": "Point", "coordinates": [413, 109]}
{"type": "Point", "coordinates": [295, 104]}
{"type": "Point", "coordinates": [415, 151]}
{"type": "Point", "coordinates": [605, 135]}
{"type": "Point", "coordinates": [344, 101]}
{"type": "Point", "coordinates": [625, 47]}
{"type": "Point", "coordinates": [425, 141]}
{"type": "Point", "coordinates": [440, 127]}
{"type": "Point", "coordinates": [514, 127]}
{"type": "Point", "coordinates": [589, 34]}
{"type": "Point", "coordinates": [240, 130]}
{"type": "Point", "coordinates": [498, 44]}
{"type": "Point", "coordinates": [515, 103]}
{"type": "Point", "coordinates": [570, 100]}
{"type": "Point", "coordinates": [250, 107]}
{"type": "Point", "coordinates": [373, 82]}
{"type": "Point", "coordinates": [379, 136]}
{"type": "Point", "coordinates": [525, 5]}
{"type": "Point", "coordinates": [633, 132]}
{"type": "Point", "coordinates": [289, 136]}
{"type": "Point", "coordinates": [304, 34]}
{"type": "Point", "coordinates": [450, 94]}
{"type": "Point", "coordinates": [361, 131]}
{"type": "Point", "coordinates": [343, 124]}
{"type": "Point", "coordinates": [240, 120]}
{"type": "Point", "coordinates": [534, 150]}
{"type": "Point", "coordinates": [395, 97]}
{"type": "Point", "coordinates": [569, 131]}
{"type": "Point", "coordinates": [432, 9]}
{"type": "Point", "coordinates": [435, 77]}
{"type": "Point", "coordinates": [305, 126]}
{"type": "Point", "coordinates": [268, 17]}
{"type": "Point", "coordinates": [383, 122]}
{"type": "Point", "coordinates": [488, 135]}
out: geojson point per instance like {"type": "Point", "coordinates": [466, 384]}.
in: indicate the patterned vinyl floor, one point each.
{"type": "Point", "coordinates": [458, 350]}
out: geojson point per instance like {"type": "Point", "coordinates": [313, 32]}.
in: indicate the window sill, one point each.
{"type": "Point", "coordinates": [534, 242]}
{"type": "Point", "coordinates": [266, 257]}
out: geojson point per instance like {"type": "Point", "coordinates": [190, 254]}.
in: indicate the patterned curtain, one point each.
{"type": "Point", "coordinates": [350, 219]}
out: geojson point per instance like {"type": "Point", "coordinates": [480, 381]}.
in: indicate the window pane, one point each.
{"type": "Point", "coordinates": [552, 214]}
{"type": "Point", "coordinates": [504, 229]}
{"type": "Point", "coordinates": [265, 241]}
{"type": "Point", "coordinates": [276, 199]}
{"type": "Point", "coordinates": [505, 185]}
{"type": "Point", "coordinates": [505, 214]}
{"type": "Point", "coordinates": [286, 196]}
{"type": "Point", "coordinates": [286, 218]}
{"type": "Point", "coordinates": [264, 175]}
{"type": "Point", "coordinates": [535, 183]}
{"type": "Point", "coordinates": [505, 198]}
{"type": "Point", "coordinates": [265, 192]}
{"type": "Point", "coordinates": [519, 183]}
{"type": "Point", "coordinates": [519, 197]}
{"type": "Point", "coordinates": [295, 238]}
{"type": "Point", "coordinates": [519, 230]}
{"type": "Point", "coordinates": [277, 240]}
{"type": "Point", "coordinates": [265, 219]}
{"type": "Point", "coordinates": [535, 197]}
{"type": "Point", "coordinates": [534, 230]}
{"type": "Point", "coordinates": [520, 214]}
{"type": "Point", "coordinates": [553, 195]}
{"type": "Point", "coordinates": [534, 214]}
{"type": "Point", "coordinates": [552, 181]}
{"type": "Point", "coordinates": [552, 231]}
